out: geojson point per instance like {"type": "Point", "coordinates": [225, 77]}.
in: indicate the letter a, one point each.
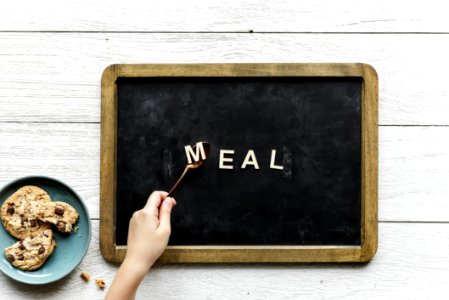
{"type": "Point", "coordinates": [250, 159]}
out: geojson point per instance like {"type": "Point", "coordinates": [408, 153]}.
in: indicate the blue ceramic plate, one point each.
{"type": "Point", "coordinates": [70, 249]}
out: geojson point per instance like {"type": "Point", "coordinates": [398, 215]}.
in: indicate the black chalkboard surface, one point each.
{"type": "Point", "coordinates": [309, 192]}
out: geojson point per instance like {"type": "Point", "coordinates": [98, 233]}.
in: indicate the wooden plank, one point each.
{"type": "Point", "coordinates": [413, 168]}
{"type": "Point", "coordinates": [69, 152]}
{"type": "Point", "coordinates": [66, 88]}
{"type": "Point", "coordinates": [411, 264]}
{"type": "Point", "coordinates": [412, 165]}
{"type": "Point", "coordinates": [240, 16]}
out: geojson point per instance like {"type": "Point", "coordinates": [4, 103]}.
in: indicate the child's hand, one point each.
{"type": "Point", "coordinates": [149, 230]}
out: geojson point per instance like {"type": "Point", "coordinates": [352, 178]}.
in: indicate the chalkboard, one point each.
{"type": "Point", "coordinates": [301, 129]}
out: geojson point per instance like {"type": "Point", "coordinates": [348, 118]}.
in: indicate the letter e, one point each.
{"type": "Point", "coordinates": [225, 159]}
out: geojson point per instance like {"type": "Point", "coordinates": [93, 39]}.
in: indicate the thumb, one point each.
{"type": "Point", "coordinates": [165, 213]}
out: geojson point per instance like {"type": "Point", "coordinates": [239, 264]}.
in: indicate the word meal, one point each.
{"type": "Point", "coordinates": [197, 153]}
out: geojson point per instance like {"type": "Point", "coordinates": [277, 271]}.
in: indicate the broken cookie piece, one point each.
{"type": "Point", "coordinates": [100, 283]}
{"type": "Point", "coordinates": [19, 211]}
{"type": "Point", "coordinates": [61, 214]}
{"type": "Point", "coordinates": [85, 276]}
{"type": "Point", "coordinates": [32, 252]}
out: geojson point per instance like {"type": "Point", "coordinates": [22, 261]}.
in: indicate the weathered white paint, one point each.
{"type": "Point", "coordinates": [411, 263]}
{"type": "Point", "coordinates": [414, 173]}
{"type": "Point", "coordinates": [56, 76]}
{"type": "Point", "coordinates": [69, 152]}
{"type": "Point", "coordinates": [233, 15]}
{"type": "Point", "coordinates": [53, 78]}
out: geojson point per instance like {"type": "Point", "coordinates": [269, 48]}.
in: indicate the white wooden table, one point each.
{"type": "Point", "coordinates": [52, 55]}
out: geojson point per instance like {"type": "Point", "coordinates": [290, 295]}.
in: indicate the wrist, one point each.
{"type": "Point", "coordinates": [127, 280]}
{"type": "Point", "coordinates": [135, 269]}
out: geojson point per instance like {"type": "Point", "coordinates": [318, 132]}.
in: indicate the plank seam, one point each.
{"type": "Point", "coordinates": [413, 125]}
{"type": "Point", "coordinates": [228, 32]}
{"type": "Point", "coordinates": [48, 122]}
{"type": "Point", "coordinates": [414, 222]}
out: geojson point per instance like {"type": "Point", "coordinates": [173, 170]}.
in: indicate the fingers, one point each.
{"type": "Point", "coordinates": [154, 201]}
{"type": "Point", "coordinates": [165, 213]}
{"type": "Point", "coordinates": [160, 206]}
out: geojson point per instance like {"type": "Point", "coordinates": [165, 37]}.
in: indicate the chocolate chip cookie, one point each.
{"type": "Point", "coordinates": [61, 214]}
{"type": "Point", "coordinates": [32, 252]}
{"type": "Point", "coordinates": [19, 211]}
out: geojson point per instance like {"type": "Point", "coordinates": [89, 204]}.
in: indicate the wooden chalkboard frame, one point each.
{"type": "Point", "coordinates": [245, 254]}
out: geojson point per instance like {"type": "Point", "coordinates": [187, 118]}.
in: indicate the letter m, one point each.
{"type": "Point", "coordinates": [199, 150]}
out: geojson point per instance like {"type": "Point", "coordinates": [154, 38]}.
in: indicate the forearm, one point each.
{"type": "Point", "coordinates": [126, 281]}
{"type": "Point", "coordinates": [148, 233]}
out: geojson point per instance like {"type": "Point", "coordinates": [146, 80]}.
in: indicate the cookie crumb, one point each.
{"type": "Point", "coordinates": [100, 283]}
{"type": "Point", "coordinates": [85, 276]}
